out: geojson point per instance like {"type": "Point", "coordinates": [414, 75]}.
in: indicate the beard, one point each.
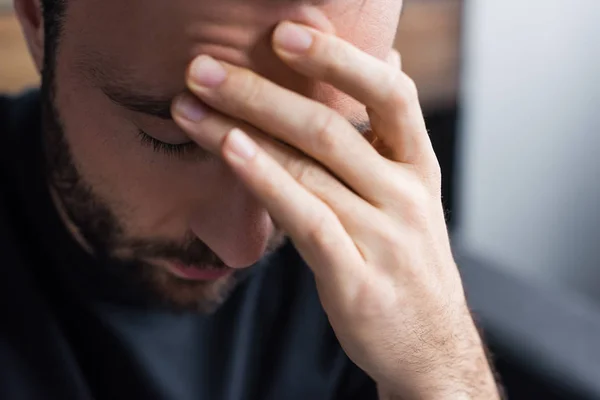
{"type": "Point", "coordinates": [124, 259]}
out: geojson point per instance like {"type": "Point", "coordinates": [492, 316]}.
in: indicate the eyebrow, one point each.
{"type": "Point", "coordinates": [362, 126]}
{"type": "Point", "coordinates": [160, 107]}
{"type": "Point", "coordinates": [156, 106]}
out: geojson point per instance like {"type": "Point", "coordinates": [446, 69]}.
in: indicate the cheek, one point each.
{"type": "Point", "coordinates": [147, 191]}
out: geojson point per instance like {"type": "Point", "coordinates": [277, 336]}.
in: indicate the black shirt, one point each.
{"type": "Point", "coordinates": [269, 340]}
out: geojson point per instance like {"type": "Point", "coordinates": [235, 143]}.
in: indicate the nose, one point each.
{"type": "Point", "coordinates": [234, 225]}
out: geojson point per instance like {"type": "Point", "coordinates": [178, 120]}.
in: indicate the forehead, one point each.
{"type": "Point", "coordinates": [152, 41]}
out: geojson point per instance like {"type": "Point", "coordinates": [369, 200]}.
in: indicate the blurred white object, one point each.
{"type": "Point", "coordinates": [529, 156]}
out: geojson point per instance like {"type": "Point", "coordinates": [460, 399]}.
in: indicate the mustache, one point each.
{"type": "Point", "coordinates": [193, 252]}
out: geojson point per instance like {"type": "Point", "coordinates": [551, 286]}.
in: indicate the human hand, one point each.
{"type": "Point", "coordinates": [367, 219]}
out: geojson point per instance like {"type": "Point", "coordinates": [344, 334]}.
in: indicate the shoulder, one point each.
{"type": "Point", "coordinates": [19, 112]}
{"type": "Point", "coordinates": [20, 117]}
{"type": "Point", "coordinates": [15, 108]}
{"type": "Point", "coordinates": [20, 127]}
{"type": "Point", "coordinates": [294, 332]}
{"type": "Point", "coordinates": [283, 293]}
{"type": "Point", "coordinates": [289, 305]}
{"type": "Point", "coordinates": [19, 120]}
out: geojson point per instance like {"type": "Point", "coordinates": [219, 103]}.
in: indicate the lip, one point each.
{"type": "Point", "coordinates": [192, 273]}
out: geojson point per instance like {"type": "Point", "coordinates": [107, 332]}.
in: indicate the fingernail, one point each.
{"type": "Point", "coordinates": [241, 145]}
{"type": "Point", "coordinates": [206, 71]}
{"type": "Point", "coordinates": [190, 108]}
{"type": "Point", "coordinates": [292, 37]}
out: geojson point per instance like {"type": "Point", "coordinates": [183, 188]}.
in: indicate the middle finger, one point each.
{"type": "Point", "coordinates": [210, 133]}
{"type": "Point", "coordinates": [307, 125]}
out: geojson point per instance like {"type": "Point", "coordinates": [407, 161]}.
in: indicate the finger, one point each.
{"type": "Point", "coordinates": [313, 227]}
{"type": "Point", "coordinates": [389, 94]}
{"type": "Point", "coordinates": [394, 59]}
{"type": "Point", "coordinates": [211, 130]}
{"type": "Point", "coordinates": [371, 233]}
{"type": "Point", "coordinates": [307, 125]}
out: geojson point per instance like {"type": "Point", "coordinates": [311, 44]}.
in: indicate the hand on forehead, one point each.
{"type": "Point", "coordinates": [149, 43]}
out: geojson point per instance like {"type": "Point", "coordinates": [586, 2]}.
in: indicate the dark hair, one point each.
{"type": "Point", "coordinates": [53, 13]}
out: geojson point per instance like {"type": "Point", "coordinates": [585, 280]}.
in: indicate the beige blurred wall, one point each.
{"type": "Point", "coordinates": [16, 68]}
{"type": "Point", "coordinates": [428, 40]}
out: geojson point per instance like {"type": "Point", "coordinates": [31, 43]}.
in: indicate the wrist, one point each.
{"type": "Point", "coordinates": [444, 390]}
{"type": "Point", "coordinates": [467, 380]}
{"type": "Point", "coordinates": [465, 375]}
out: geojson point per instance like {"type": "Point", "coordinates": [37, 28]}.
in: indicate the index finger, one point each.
{"type": "Point", "coordinates": [389, 94]}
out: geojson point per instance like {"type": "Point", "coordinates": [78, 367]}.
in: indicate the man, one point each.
{"type": "Point", "coordinates": [230, 199]}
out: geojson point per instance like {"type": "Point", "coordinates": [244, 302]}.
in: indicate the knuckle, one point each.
{"type": "Point", "coordinates": [436, 172]}
{"type": "Point", "coordinates": [269, 187]}
{"type": "Point", "coordinates": [401, 187]}
{"type": "Point", "coordinates": [294, 163]}
{"type": "Point", "coordinates": [389, 238]}
{"type": "Point", "coordinates": [410, 86]}
{"type": "Point", "coordinates": [412, 196]}
{"type": "Point", "coordinates": [430, 175]}
{"type": "Point", "coordinates": [415, 207]}
{"type": "Point", "coordinates": [313, 177]}
{"type": "Point", "coordinates": [403, 90]}
{"type": "Point", "coordinates": [324, 139]}
{"type": "Point", "coordinates": [319, 226]}
{"type": "Point", "coordinates": [373, 300]}
{"type": "Point", "coordinates": [303, 172]}
{"type": "Point", "coordinates": [402, 254]}
{"type": "Point", "coordinates": [283, 155]}
{"type": "Point", "coordinates": [249, 88]}
{"type": "Point", "coordinates": [435, 178]}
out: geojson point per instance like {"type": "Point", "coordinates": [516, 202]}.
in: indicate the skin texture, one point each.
{"type": "Point", "coordinates": [372, 230]}
{"type": "Point", "coordinates": [134, 207]}
{"type": "Point", "coordinates": [365, 216]}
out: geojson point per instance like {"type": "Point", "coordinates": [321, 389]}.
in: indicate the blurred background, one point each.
{"type": "Point", "coordinates": [510, 90]}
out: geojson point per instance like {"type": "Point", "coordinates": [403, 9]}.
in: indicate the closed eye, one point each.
{"type": "Point", "coordinates": [179, 150]}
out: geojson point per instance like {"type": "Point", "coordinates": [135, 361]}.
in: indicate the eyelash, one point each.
{"type": "Point", "coordinates": [178, 150]}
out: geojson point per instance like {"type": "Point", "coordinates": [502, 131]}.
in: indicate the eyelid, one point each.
{"type": "Point", "coordinates": [161, 130]}
{"type": "Point", "coordinates": [181, 150]}
{"type": "Point", "coordinates": [146, 136]}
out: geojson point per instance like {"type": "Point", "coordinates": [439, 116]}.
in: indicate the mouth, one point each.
{"type": "Point", "coordinates": [197, 272]}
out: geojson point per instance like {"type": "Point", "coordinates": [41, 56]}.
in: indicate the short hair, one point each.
{"type": "Point", "coordinates": [53, 13]}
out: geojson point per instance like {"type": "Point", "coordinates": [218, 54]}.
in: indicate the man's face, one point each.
{"type": "Point", "coordinates": [133, 188]}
